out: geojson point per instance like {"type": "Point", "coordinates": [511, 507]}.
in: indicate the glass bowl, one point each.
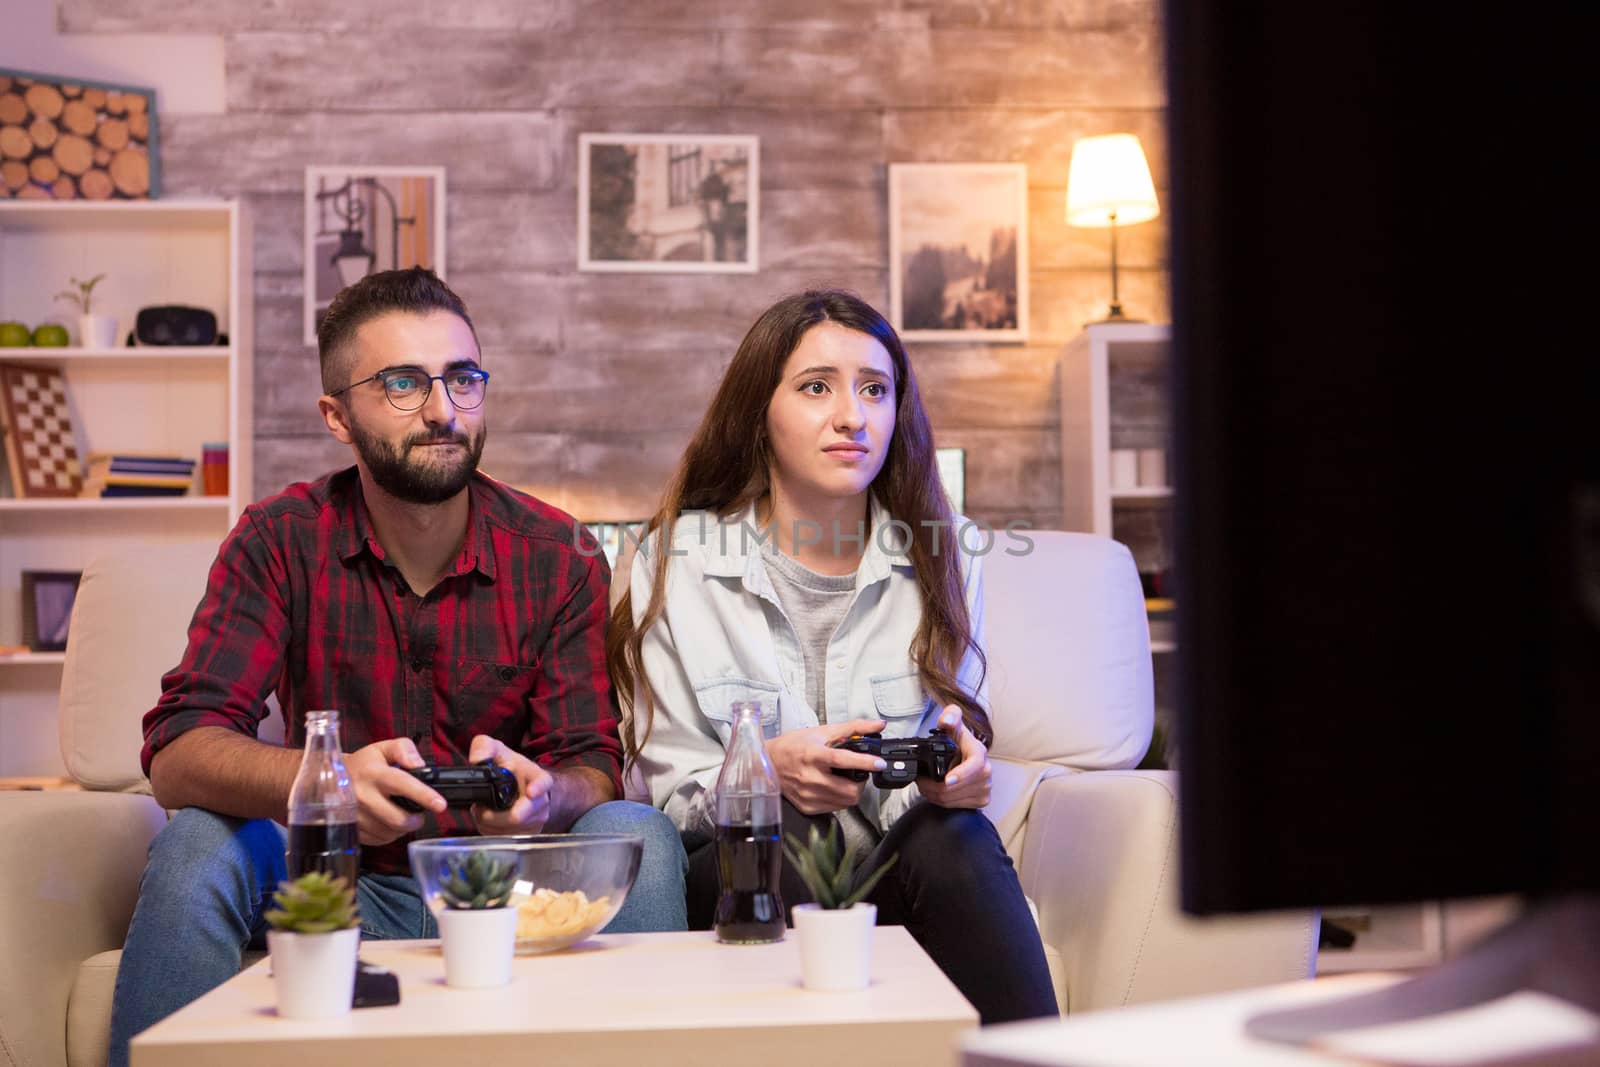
{"type": "Point", "coordinates": [568, 885]}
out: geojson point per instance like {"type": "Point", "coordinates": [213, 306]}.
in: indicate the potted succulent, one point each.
{"type": "Point", "coordinates": [313, 942]}
{"type": "Point", "coordinates": [478, 926]}
{"type": "Point", "coordinates": [835, 931]}
{"type": "Point", "coordinates": [94, 331]}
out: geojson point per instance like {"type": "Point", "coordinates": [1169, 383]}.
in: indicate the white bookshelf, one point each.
{"type": "Point", "coordinates": [1403, 937]}
{"type": "Point", "coordinates": [1112, 381]}
{"type": "Point", "coordinates": [31, 659]}
{"type": "Point", "coordinates": [126, 356]}
{"type": "Point", "coordinates": [60, 505]}
{"type": "Point", "coordinates": [156, 400]}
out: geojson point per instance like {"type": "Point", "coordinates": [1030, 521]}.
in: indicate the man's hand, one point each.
{"type": "Point", "coordinates": [968, 782]}
{"type": "Point", "coordinates": [531, 809]}
{"type": "Point", "coordinates": [805, 763]}
{"type": "Point", "coordinates": [376, 775]}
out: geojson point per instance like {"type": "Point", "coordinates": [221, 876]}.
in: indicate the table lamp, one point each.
{"type": "Point", "coordinates": [1109, 183]}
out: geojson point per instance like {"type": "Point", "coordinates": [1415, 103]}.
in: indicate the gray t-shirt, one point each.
{"type": "Point", "coordinates": [816, 604]}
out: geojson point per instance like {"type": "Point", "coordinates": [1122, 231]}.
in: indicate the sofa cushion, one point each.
{"type": "Point", "coordinates": [130, 624]}
{"type": "Point", "coordinates": [1068, 643]}
{"type": "Point", "coordinates": [89, 1009]}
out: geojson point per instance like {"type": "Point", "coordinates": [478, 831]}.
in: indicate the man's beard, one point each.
{"type": "Point", "coordinates": [413, 480]}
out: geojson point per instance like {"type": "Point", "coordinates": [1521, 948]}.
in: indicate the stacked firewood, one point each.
{"type": "Point", "coordinates": [66, 142]}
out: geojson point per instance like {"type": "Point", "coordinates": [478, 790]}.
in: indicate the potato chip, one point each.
{"type": "Point", "coordinates": [547, 915]}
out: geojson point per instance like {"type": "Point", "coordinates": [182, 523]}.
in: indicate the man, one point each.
{"type": "Point", "coordinates": [449, 618]}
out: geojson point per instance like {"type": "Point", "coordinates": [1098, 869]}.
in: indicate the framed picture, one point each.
{"type": "Point", "coordinates": [65, 138]}
{"type": "Point", "coordinates": [360, 220]}
{"type": "Point", "coordinates": [958, 251]}
{"type": "Point", "coordinates": [668, 202]}
{"type": "Point", "coordinates": [47, 598]}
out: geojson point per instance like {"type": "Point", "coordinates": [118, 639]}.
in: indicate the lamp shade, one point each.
{"type": "Point", "coordinates": [1109, 178]}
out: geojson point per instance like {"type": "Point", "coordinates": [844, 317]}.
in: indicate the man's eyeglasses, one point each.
{"type": "Point", "coordinates": [408, 388]}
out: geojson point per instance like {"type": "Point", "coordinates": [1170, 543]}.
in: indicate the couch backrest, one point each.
{"type": "Point", "coordinates": [1069, 651]}
{"type": "Point", "coordinates": [130, 625]}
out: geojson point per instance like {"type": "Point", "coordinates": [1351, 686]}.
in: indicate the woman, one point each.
{"type": "Point", "coordinates": [813, 568]}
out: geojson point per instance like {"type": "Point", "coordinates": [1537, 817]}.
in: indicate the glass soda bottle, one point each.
{"type": "Point", "coordinates": [322, 806]}
{"type": "Point", "coordinates": [749, 853]}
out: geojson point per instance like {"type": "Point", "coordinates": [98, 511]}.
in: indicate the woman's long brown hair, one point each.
{"type": "Point", "coordinates": [724, 470]}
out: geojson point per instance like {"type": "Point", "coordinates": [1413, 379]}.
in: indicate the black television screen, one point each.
{"type": "Point", "coordinates": [1386, 419]}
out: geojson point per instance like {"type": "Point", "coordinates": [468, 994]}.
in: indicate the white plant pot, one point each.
{"type": "Point", "coordinates": [478, 946]}
{"type": "Point", "coordinates": [315, 973]}
{"type": "Point", "coordinates": [835, 946]}
{"type": "Point", "coordinates": [98, 331]}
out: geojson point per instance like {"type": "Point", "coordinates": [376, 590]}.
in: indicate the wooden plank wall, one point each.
{"type": "Point", "coordinates": [600, 378]}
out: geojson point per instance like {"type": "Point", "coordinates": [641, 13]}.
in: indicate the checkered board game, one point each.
{"type": "Point", "coordinates": [39, 444]}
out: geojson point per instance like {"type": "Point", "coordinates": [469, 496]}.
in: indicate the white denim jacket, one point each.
{"type": "Point", "coordinates": [723, 637]}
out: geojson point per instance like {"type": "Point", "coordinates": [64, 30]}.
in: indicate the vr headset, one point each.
{"type": "Point", "coordinates": [174, 324]}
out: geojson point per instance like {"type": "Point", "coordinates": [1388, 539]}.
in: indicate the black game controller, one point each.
{"type": "Point", "coordinates": [476, 783]}
{"type": "Point", "coordinates": [909, 758]}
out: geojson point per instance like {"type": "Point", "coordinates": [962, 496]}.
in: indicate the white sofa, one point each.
{"type": "Point", "coordinates": [1070, 670]}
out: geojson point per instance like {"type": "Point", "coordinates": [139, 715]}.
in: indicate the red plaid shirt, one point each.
{"type": "Point", "coordinates": [301, 601]}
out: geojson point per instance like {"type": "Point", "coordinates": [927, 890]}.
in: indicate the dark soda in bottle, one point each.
{"type": "Point", "coordinates": [749, 855]}
{"type": "Point", "coordinates": [330, 847]}
{"type": "Point", "coordinates": [322, 806]}
{"type": "Point", "coordinates": [749, 910]}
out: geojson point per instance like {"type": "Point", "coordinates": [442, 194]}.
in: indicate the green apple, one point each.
{"type": "Point", "coordinates": [50, 335]}
{"type": "Point", "coordinates": [14, 335]}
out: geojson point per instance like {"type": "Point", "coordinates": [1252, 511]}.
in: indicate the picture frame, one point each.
{"type": "Point", "coordinates": [47, 599]}
{"type": "Point", "coordinates": [958, 251]}
{"type": "Point", "coordinates": [69, 138]}
{"type": "Point", "coordinates": [360, 219]}
{"type": "Point", "coordinates": [669, 203]}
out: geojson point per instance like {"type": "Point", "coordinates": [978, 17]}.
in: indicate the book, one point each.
{"type": "Point", "coordinates": [117, 457]}
{"type": "Point", "coordinates": [143, 490]}
{"type": "Point", "coordinates": [153, 481]}
{"type": "Point", "coordinates": [151, 464]}
{"type": "Point", "coordinates": [141, 468]}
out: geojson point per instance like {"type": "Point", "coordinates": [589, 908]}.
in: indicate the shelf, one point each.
{"type": "Point", "coordinates": [1163, 646]}
{"type": "Point", "coordinates": [125, 503]}
{"type": "Point", "coordinates": [1148, 494]}
{"type": "Point", "coordinates": [166, 213]}
{"type": "Point", "coordinates": [15, 659]}
{"type": "Point", "coordinates": [144, 354]}
{"type": "Point", "coordinates": [1389, 937]}
{"type": "Point", "coordinates": [158, 400]}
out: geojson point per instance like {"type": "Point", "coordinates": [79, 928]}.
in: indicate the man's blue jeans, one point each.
{"type": "Point", "coordinates": [210, 879]}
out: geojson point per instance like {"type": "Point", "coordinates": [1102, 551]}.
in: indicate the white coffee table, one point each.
{"type": "Point", "coordinates": [618, 998]}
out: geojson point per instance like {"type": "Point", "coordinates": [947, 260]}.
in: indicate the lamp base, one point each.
{"type": "Point", "coordinates": [1114, 315]}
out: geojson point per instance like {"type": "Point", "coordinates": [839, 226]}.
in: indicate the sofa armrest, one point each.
{"type": "Point", "coordinates": [1011, 796]}
{"type": "Point", "coordinates": [70, 864]}
{"type": "Point", "coordinates": [1100, 860]}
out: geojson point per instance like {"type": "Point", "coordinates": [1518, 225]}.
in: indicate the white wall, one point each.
{"type": "Point", "coordinates": [186, 70]}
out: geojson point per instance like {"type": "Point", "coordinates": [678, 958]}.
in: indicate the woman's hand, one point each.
{"type": "Point", "coordinates": [805, 764]}
{"type": "Point", "coordinates": [967, 785]}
